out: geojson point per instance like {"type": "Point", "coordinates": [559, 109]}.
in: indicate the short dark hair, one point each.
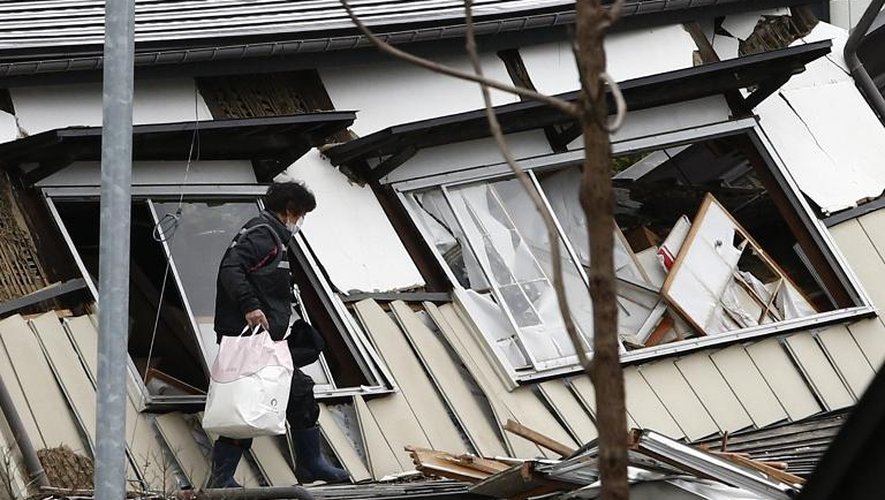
{"type": "Point", "coordinates": [289, 197]}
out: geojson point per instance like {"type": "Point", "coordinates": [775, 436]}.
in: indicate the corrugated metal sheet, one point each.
{"type": "Point", "coordinates": [43, 23]}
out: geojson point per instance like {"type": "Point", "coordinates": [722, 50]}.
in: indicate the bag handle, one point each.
{"type": "Point", "coordinates": [254, 330]}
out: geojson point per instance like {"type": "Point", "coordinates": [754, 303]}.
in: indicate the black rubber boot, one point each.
{"type": "Point", "coordinates": [225, 458]}
{"type": "Point", "coordinates": [310, 464]}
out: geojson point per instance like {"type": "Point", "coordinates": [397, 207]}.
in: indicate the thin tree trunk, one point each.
{"type": "Point", "coordinates": [598, 203]}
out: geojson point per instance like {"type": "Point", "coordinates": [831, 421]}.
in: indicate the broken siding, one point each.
{"type": "Point", "coordinates": [385, 93]}
{"type": "Point", "coordinates": [350, 234]}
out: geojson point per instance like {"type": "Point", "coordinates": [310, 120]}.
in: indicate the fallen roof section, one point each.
{"type": "Point", "coordinates": [766, 70]}
{"type": "Point", "coordinates": [277, 140]}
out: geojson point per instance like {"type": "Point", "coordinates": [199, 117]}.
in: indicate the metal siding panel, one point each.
{"type": "Point", "coordinates": [818, 371]}
{"type": "Point", "coordinates": [748, 385]}
{"type": "Point", "coordinates": [586, 394]}
{"type": "Point", "coordinates": [784, 378]}
{"type": "Point", "coordinates": [18, 400]}
{"type": "Point", "coordinates": [73, 379]}
{"type": "Point", "coordinates": [429, 410]}
{"type": "Point", "coordinates": [847, 358]}
{"type": "Point", "coordinates": [382, 458]}
{"type": "Point", "coordinates": [521, 405]}
{"type": "Point", "coordinates": [870, 336]}
{"type": "Point", "coordinates": [45, 398]}
{"type": "Point", "coordinates": [270, 459]}
{"type": "Point", "coordinates": [449, 381]}
{"type": "Point", "coordinates": [859, 241]}
{"type": "Point", "coordinates": [342, 447]}
{"type": "Point", "coordinates": [671, 387]}
{"type": "Point", "coordinates": [714, 392]}
{"type": "Point", "coordinates": [566, 404]}
{"type": "Point", "coordinates": [644, 405]}
{"type": "Point", "coordinates": [176, 431]}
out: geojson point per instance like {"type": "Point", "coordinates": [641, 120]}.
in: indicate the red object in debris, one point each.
{"type": "Point", "coordinates": [666, 257]}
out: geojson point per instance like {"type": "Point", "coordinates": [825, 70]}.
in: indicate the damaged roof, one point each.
{"type": "Point", "coordinates": [41, 37]}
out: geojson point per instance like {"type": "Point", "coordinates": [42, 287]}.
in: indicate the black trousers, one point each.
{"type": "Point", "coordinates": [302, 411]}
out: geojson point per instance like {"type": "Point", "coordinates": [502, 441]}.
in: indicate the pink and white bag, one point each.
{"type": "Point", "coordinates": [249, 386]}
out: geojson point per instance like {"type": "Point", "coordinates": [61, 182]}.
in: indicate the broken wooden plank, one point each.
{"type": "Point", "coordinates": [416, 388]}
{"type": "Point", "coordinates": [436, 464]}
{"type": "Point", "coordinates": [383, 460]}
{"type": "Point", "coordinates": [538, 438]}
{"type": "Point", "coordinates": [451, 383]}
{"type": "Point", "coordinates": [518, 482]}
{"type": "Point", "coordinates": [342, 446]}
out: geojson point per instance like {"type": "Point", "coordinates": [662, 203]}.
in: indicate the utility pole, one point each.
{"type": "Point", "coordinates": [113, 300]}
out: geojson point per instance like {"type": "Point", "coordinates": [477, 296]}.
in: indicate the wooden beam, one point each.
{"type": "Point", "coordinates": [538, 438]}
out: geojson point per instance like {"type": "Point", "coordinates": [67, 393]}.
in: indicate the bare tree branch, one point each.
{"type": "Point", "coordinates": [549, 223]}
{"type": "Point", "coordinates": [562, 105]}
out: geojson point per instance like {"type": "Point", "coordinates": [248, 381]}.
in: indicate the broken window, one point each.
{"type": "Point", "coordinates": [705, 244]}
{"type": "Point", "coordinates": [176, 249]}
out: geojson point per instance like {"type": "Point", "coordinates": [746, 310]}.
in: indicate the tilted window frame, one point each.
{"type": "Point", "coordinates": [368, 360]}
{"type": "Point", "coordinates": [863, 305]}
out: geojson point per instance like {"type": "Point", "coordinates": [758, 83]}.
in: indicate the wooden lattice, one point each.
{"type": "Point", "coordinates": [20, 270]}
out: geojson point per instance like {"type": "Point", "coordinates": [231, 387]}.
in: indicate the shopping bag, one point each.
{"type": "Point", "coordinates": [249, 386]}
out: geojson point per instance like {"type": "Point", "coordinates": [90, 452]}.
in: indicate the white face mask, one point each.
{"type": "Point", "coordinates": [294, 227]}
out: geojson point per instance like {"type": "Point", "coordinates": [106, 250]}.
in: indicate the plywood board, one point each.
{"type": "Point", "coordinates": [870, 336]}
{"type": "Point", "coordinates": [713, 392]}
{"type": "Point", "coordinates": [342, 447]}
{"type": "Point", "coordinates": [485, 378]}
{"type": "Point", "coordinates": [44, 396]}
{"type": "Point", "coordinates": [176, 431]}
{"type": "Point", "coordinates": [520, 404]}
{"type": "Point", "coordinates": [645, 407]}
{"type": "Point", "coordinates": [748, 385]}
{"type": "Point", "coordinates": [847, 358]}
{"type": "Point", "coordinates": [674, 392]}
{"type": "Point", "coordinates": [576, 419]}
{"type": "Point", "coordinates": [271, 461]}
{"type": "Point", "coordinates": [420, 394]}
{"type": "Point", "coordinates": [784, 378]}
{"type": "Point", "coordinates": [818, 371]}
{"type": "Point", "coordinates": [382, 458]}
{"type": "Point", "coordinates": [70, 375]}
{"type": "Point", "coordinates": [451, 383]}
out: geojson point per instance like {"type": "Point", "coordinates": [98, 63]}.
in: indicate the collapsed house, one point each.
{"type": "Point", "coordinates": [747, 234]}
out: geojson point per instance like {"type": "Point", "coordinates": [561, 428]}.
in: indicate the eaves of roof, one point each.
{"type": "Point", "coordinates": [49, 36]}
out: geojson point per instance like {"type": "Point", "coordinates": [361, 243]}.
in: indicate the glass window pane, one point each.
{"type": "Point", "coordinates": [205, 229]}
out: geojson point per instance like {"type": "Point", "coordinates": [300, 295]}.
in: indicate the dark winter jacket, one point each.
{"type": "Point", "coordinates": [254, 274]}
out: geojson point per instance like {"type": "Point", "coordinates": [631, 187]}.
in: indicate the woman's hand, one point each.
{"type": "Point", "coordinates": [256, 318]}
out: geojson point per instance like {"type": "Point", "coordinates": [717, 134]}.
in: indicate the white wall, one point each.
{"type": "Point", "coordinates": [39, 109]}
{"type": "Point", "coordinates": [393, 92]}
{"type": "Point", "coordinates": [629, 55]}
{"type": "Point", "coordinates": [809, 121]}
{"type": "Point", "coordinates": [468, 154]}
{"type": "Point", "coordinates": [147, 173]}
{"type": "Point", "coordinates": [350, 233]}
{"type": "Point", "coordinates": [846, 13]}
